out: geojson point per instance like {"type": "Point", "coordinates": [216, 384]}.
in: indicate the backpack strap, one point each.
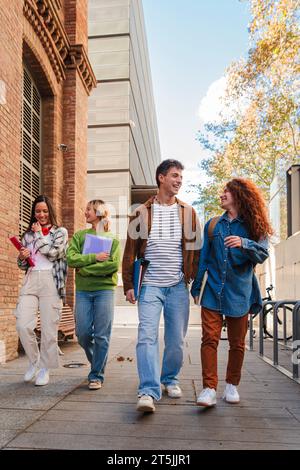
{"type": "Point", "coordinates": [211, 226]}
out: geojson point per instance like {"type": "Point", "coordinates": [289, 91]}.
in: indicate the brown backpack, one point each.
{"type": "Point", "coordinates": [211, 226]}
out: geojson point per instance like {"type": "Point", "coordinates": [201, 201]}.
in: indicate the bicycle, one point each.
{"type": "Point", "coordinates": [280, 316]}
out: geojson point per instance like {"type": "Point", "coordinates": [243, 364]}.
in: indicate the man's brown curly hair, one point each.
{"type": "Point", "coordinates": [251, 207]}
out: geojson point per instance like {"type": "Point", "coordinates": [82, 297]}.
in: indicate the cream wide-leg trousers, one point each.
{"type": "Point", "coordinates": [39, 292]}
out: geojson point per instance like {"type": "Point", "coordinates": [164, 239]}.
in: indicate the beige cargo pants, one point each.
{"type": "Point", "coordinates": [39, 292]}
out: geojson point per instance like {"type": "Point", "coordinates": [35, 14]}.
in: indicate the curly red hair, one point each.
{"type": "Point", "coordinates": [251, 207]}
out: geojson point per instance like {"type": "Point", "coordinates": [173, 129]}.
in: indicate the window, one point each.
{"type": "Point", "coordinates": [30, 181]}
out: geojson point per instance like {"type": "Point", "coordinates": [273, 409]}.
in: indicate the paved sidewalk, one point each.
{"type": "Point", "coordinates": [66, 415]}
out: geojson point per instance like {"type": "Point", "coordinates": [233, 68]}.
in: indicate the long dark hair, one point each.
{"type": "Point", "coordinates": [52, 215]}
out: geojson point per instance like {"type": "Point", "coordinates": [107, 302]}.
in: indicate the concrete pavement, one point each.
{"type": "Point", "coordinates": [66, 415]}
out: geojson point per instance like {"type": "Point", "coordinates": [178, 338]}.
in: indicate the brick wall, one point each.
{"type": "Point", "coordinates": [64, 111]}
{"type": "Point", "coordinates": [10, 109]}
{"type": "Point", "coordinates": [76, 21]}
{"type": "Point", "coordinates": [75, 161]}
{"type": "Point", "coordinates": [75, 133]}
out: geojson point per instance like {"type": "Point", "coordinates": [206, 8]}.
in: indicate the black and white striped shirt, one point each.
{"type": "Point", "coordinates": [164, 247]}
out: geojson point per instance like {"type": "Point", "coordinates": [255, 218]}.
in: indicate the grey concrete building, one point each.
{"type": "Point", "coordinates": [123, 144]}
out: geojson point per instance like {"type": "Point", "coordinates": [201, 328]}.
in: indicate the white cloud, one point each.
{"type": "Point", "coordinates": [212, 104]}
{"type": "Point", "coordinates": [191, 175]}
{"type": "Point", "coordinates": [209, 110]}
{"type": "Point", "coordinates": [212, 107]}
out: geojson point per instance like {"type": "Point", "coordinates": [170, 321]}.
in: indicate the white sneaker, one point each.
{"type": "Point", "coordinates": [31, 372]}
{"type": "Point", "coordinates": [231, 394]}
{"type": "Point", "coordinates": [173, 391]}
{"type": "Point", "coordinates": [42, 377]}
{"type": "Point", "coordinates": [207, 397]}
{"type": "Point", "coordinates": [145, 403]}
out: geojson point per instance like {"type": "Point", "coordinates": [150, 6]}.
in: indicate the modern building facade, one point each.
{"type": "Point", "coordinates": [123, 145]}
{"type": "Point", "coordinates": [45, 80]}
{"type": "Point", "coordinates": [282, 269]}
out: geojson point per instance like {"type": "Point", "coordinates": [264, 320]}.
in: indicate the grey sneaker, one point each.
{"type": "Point", "coordinates": [145, 403]}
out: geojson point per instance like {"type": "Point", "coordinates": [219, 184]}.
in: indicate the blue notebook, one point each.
{"type": "Point", "coordinates": [139, 269]}
{"type": "Point", "coordinates": [96, 244]}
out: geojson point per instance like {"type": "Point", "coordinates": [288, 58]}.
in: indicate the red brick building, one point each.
{"type": "Point", "coordinates": [45, 80]}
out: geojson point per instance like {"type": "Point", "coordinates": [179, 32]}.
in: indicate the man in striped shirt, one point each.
{"type": "Point", "coordinates": [166, 232]}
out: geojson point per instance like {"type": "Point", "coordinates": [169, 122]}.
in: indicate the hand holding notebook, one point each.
{"type": "Point", "coordinates": [204, 281]}
{"type": "Point", "coordinates": [18, 245]}
{"type": "Point", "coordinates": [139, 269]}
{"type": "Point", "coordinates": [96, 244]}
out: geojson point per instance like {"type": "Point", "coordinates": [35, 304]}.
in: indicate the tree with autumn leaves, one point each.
{"type": "Point", "coordinates": [262, 136]}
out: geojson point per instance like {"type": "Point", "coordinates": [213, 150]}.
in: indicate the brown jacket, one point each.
{"type": "Point", "coordinates": [137, 236]}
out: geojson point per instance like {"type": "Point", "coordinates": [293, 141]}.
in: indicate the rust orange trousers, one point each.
{"type": "Point", "coordinates": [211, 332]}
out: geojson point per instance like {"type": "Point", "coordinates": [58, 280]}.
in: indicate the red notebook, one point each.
{"type": "Point", "coordinates": [18, 245]}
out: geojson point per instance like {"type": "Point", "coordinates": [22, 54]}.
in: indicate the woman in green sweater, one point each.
{"type": "Point", "coordinates": [96, 279]}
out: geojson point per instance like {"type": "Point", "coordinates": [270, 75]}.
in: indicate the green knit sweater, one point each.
{"type": "Point", "coordinates": [92, 275]}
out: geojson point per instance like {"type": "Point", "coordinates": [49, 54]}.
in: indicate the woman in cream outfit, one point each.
{"type": "Point", "coordinates": [43, 289]}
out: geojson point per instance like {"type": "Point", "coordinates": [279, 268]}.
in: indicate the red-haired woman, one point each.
{"type": "Point", "coordinates": [239, 241]}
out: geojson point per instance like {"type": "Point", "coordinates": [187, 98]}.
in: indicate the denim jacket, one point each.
{"type": "Point", "coordinates": [232, 288]}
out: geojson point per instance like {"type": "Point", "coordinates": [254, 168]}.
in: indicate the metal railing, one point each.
{"type": "Point", "coordinates": [296, 340]}
{"type": "Point", "coordinates": [275, 306]}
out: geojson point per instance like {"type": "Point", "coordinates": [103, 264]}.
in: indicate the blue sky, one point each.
{"type": "Point", "coordinates": [191, 43]}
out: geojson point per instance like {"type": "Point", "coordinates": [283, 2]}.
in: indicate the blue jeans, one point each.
{"type": "Point", "coordinates": [175, 302]}
{"type": "Point", "coordinates": [94, 317]}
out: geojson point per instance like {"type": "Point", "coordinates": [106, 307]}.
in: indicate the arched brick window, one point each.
{"type": "Point", "coordinates": [30, 181]}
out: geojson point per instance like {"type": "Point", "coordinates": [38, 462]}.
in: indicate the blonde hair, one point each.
{"type": "Point", "coordinates": [102, 212]}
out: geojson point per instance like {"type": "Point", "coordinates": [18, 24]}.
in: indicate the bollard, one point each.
{"type": "Point", "coordinates": [250, 332]}
{"type": "Point", "coordinates": [2, 352]}
{"type": "Point", "coordinates": [275, 334]}
{"type": "Point", "coordinates": [261, 331]}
